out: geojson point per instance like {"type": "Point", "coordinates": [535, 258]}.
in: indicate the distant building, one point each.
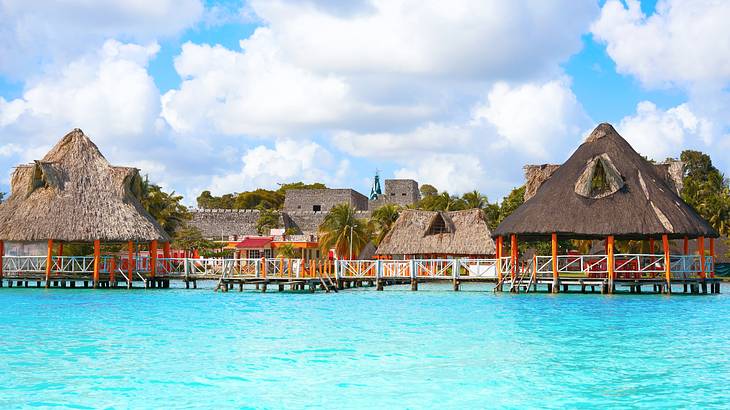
{"type": "Point", "coordinates": [322, 200]}
{"type": "Point", "coordinates": [403, 192]}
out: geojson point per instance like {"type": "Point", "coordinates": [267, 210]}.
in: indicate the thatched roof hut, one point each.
{"type": "Point", "coordinates": [74, 195]}
{"type": "Point", "coordinates": [430, 233]}
{"type": "Point", "coordinates": [606, 188]}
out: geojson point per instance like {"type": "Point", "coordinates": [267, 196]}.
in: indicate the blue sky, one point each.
{"type": "Point", "coordinates": [229, 95]}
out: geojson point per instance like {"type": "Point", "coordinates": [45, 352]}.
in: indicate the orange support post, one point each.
{"type": "Point", "coordinates": [49, 262]}
{"type": "Point", "coordinates": [554, 242]}
{"type": "Point", "coordinates": [499, 259]}
{"type": "Point", "coordinates": [112, 268]}
{"type": "Point", "coordinates": [97, 261]}
{"type": "Point", "coordinates": [712, 255]}
{"type": "Point", "coordinates": [701, 252]}
{"type": "Point", "coordinates": [281, 266]}
{"type": "Point", "coordinates": [167, 254]}
{"type": "Point", "coordinates": [513, 251]}
{"type": "Point", "coordinates": [130, 263]}
{"type": "Point", "coordinates": [667, 263]}
{"type": "Point", "coordinates": [686, 245]}
{"type": "Point", "coordinates": [153, 259]}
{"type": "Point", "coordinates": [2, 253]}
{"type": "Point", "coordinates": [651, 245]}
{"type": "Point", "coordinates": [263, 267]}
{"type": "Point", "coordinates": [610, 262]}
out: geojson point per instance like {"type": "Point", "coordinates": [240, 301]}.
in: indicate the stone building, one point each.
{"type": "Point", "coordinates": [403, 192]}
{"type": "Point", "coordinates": [225, 224]}
{"type": "Point", "coordinates": [322, 200]}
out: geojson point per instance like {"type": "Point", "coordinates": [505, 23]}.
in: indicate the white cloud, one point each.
{"type": "Point", "coordinates": [287, 161]}
{"type": "Point", "coordinates": [55, 31]}
{"type": "Point", "coordinates": [682, 43]}
{"type": "Point", "coordinates": [107, 93]}
{"type": "Point", "coordinates": [474, 38]}
{"type": "Point", "coordinates": [660, 134]}
{"type": "Point", "coordinates": [456, 173]}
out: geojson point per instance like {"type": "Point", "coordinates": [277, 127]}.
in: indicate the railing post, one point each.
{"type": "Point", "coordinates": [701, 252]}
{"type": "Point", "coordinates": [130, 263]}
{"type": "Point", "coordinates": [153, 258]}
{"type": "Point", "coordinates": [499, 263]}
{"type": "Point", "coordinates": [257, 268]}
{"type": "Point", "coordinates": [337, 269]}
{"type": "Point", "coordinates": [712, 257]}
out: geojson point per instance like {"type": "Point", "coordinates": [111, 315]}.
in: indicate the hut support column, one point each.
{"type": "Point", "coordinates": [130, 263]}
{"type": "Point", "coordinates": [701, 252]}
{"type": "Point", "coordinates": [513, 252]}
{"type": "Point", "coordinates": [97, 261]}
{"type": "Point", "coordinates": [712, 255]}
{"type": "Point", "coordinates": [610, 262]}
{"type": "Point", "coordinates": [2, 253]}
{"type": "Point", "coordinates": [153, 259]}
{"type": "Point", "coordinates": [686, 245]}
{"type": "Point", "coordinates": [499, 263]}
{"type": "Point", "coordinates": [554, 242]}
{"type": "Point", "coordinates": [49, 262]}
{"type": "Point", "coordinates": [667, 263]}
{"type": "Point", "coordinates": [167, 254]}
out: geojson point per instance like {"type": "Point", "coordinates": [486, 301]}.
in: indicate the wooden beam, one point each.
{"type": "Point", "coordinates": [49, 262]}
{"type": "Point", "coordinates": [153, 258]}
{"type": "Point", "coordinates": [712, 255]}
{"type": "Point", "coordinates": [130, 263]}
{"type": "Point", "coordinates": [701, 252]}
{"type": "Point", "coordinates": [610, 262]}
{"type": "Point", "coordinates": [667, 263]}
{"type": "Point", "coordinates": [97, 261]}
{"type": "Point", "coordinates": [513, 252]}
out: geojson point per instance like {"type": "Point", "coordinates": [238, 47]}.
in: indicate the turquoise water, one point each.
{"type": "Point", "coordinates": [361, 349]}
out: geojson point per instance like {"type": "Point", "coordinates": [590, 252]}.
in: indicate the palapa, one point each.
{"type": "Point", "coordinates": [605, 188]}
{"type": "Point", "coordinates": [74, 195]}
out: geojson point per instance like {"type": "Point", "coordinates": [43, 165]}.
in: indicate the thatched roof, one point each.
{"type": "Point", "coordinates": [606, 188]}
{"type": "Point", "coordinates": [419, 232]}
{"type": "Point", "coordinates": [74, 195]}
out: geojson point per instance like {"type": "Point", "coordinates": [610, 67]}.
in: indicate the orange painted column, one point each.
{"type": "Point", "coordinates": [49, 262]}
{"type": "Point", "coordinates": [651, 246]}
{"type": "Point", "coordinates": [112, 268]}
{"type": "Point", "coordinates": [701, 252]}
{"type": "Point", "coordinates": [499, 259]}
{"type": "Point", "coordinates": [153, 259]}
{"type": "Point", "coordinates": [263, 267]}
{"type": "Point", "coordinates": [610, 262]}
{"type": "Point", "coordinates": [2, 253]}
{"type": "Point", "coordinates": [554, 243]}
{"type": "Point", "coordinates": [667, 263]}
{"type": "Point", "coordinates": [167, 255]}
{"type": "Point", "coordinates": [97, 261]}
{"type": "Point", "coordinates": [712, 255]}
{"type": "Point", "coordinates": [686, 245]}
{"type": "Point", "coordinates": [513, 251]}
{"type": "Point", "coordinates": [130, 262]}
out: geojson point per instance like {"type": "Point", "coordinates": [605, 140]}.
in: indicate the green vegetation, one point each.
{"type": "Point", "coordinates": [382, 221]}
{"type": "Point", "coordinates": [706, 189]}
{"type": "Point", "coordinates": [257, 199]}
{"type": "Point", "coordinates": [166, 208]}
{"type": "Point", "coordinates": [287, 251]}
{"type": "Point", "coordinates": [341, 230]}
{"type": "Point", "coordinates": [189, 238]}
{"type": "Point", "coordinates": [268, 219]}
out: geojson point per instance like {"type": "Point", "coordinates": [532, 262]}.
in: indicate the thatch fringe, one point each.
{"type": "Point", "coordinates": [74, 195]}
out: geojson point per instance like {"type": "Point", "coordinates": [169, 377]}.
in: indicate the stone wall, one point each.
{"type": "Point", "coordinates": [225, 224]}
{"type": "Point", "coordinates": [317, 200]}
{"type": "Point", "coordinates": [308, 222]}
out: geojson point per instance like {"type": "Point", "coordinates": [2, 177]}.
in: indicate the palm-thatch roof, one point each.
{"type": "Point", "coordinates": [606, 188]}
{"type": "Point", "coordinates": [74, 195]}
{"type": "Point", "coordinates": [417, 232]}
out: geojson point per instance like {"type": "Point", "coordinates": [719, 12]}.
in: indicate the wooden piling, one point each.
{"type": "Point", "coordinates": [49, 261]}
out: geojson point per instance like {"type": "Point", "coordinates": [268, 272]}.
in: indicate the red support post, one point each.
{"type": "Point", "coordinates": [49, 262]}
{"type": "Point", "coordinates": [97, 261]}
{"type": "Point", "coordinates": [153, 258]}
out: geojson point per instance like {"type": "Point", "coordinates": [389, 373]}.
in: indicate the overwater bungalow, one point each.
{"type": "Point", "coordinates": [419, 234]}
{"type": "Point", "coordinates": [73, 195]}
{"type": "Point", "coordinates": [606, 191]}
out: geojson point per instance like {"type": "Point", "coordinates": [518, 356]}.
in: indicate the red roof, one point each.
{"type": "Point", "coordinates": [253, 242]}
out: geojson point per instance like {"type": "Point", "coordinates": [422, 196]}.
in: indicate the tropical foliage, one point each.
{"type": "Point", "coordinates": [382, 220]}
{"type": "Point", "coordinates": [287, 251]}
{"type": "Point", "coordinates": [256, 199]}
{"type": "Point", "coordinates": [189, 238]}
{"type": "Point", "coordinates": [707, 190]}
{"type": "Point", "coordinates": [342, 231]}
{"type": "Point", "coordinates": [166, 208]}
{"type": "Point", "coordinates": [268, 220]}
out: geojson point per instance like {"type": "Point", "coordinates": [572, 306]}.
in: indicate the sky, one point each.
{"type": "Point", "coordinates": [229, 96]}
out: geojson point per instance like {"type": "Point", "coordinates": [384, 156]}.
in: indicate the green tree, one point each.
{"type": "Point", "coordinates": [382, 220]}
{"type": "Point", "coordinates": [511, 202]}
{"type": "Point", "coordinates": [706, 189]}
{"type": "Point", "coordinates": [268, 220]}
{"type": "Point", "coordinates": [190, 238]}
{"type": "Point", "coordinates": [428, 190]}
{"type": "Point", "coordinates": [166, 208]}
{"type": "Point", "coordinates": [287, 251]}
{"type": "Point", "coordinates": [441, 202]}
{"type": "Point", "coordinates": [341, 230]}
{"type": "Point", "coordinates": [474, 199]}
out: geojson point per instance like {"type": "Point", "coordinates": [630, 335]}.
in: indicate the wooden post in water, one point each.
{"type": "Point", "coordinates": [610, 262]}
{"type": "Point", "coordinates": [499, 263]}
{"type": "Point", "coordinates": [130, 263]}
{"type": "Point", "coordinates": [701, 252]}
{"type": "Point", "coordinates": [712, 256]}
{"type": "Point", "coordinates": [97, 261]}
{"type": "Point", "coordinates": [153, 259]}
{"type": "Point", "coordinates": [554, 242]}
{"type": "Point", "coordinates": [513, 252]}
{"type": "Point", "coordinates": [49, 262]}
{"type": "Point", "coordinates": [667, 263]}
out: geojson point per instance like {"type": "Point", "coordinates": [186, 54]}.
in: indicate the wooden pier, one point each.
{"type": "Point", "coordinates": [637, 274]}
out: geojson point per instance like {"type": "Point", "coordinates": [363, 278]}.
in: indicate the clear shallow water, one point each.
{"type": "Point", "coordinates": [361, 349]}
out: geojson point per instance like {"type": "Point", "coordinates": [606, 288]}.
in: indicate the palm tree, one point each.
{"type": "Point", "coordinates": [382, 220]}
{"type": "Point", "coordinates": [475, 199]}
{"type": "Point", "coordinates": [343, 232]}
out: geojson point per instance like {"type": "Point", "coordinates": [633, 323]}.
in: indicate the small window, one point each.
{"type": "Point", "coordinates": [317, 208]}
{"type": "Point", "coordinates": [403, 194]}
{"type": "Point", "coordinates": [299, 207]}
{"type": "Point", "coordinates": [438, 226]}
{"type": "Point", "coordinates": [254, 254]}
{"type": "Point", "coordinates": [392, 194]}
{"type": "Point", "coordinates": [268, 253]}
